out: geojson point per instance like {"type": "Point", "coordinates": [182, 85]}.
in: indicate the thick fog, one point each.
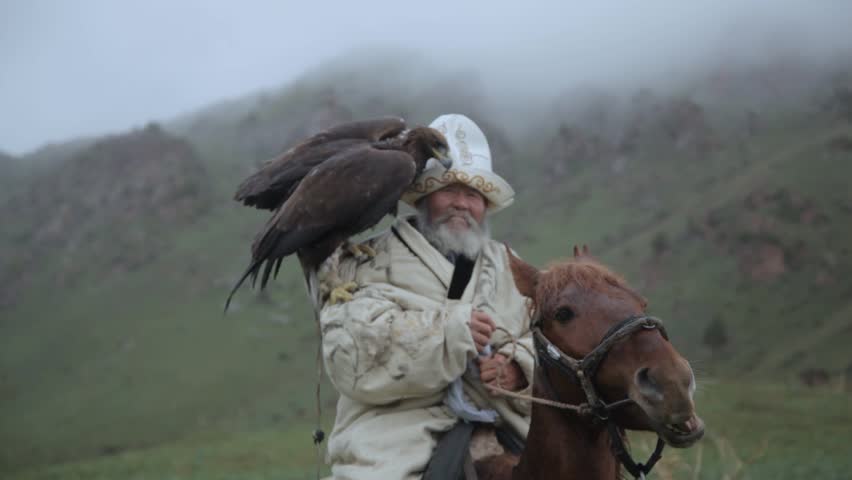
{"type": "Point", "coordinates": [95, 66]}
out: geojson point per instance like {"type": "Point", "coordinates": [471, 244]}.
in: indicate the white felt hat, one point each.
{"type": "Point", "coordinates": [471, 165]}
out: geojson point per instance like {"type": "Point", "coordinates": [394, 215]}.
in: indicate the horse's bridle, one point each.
{"type": "Point", "coordinates": [584, 370]}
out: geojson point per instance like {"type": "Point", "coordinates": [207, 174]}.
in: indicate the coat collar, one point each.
{"type": "Point", "coordinates": [430, 256]}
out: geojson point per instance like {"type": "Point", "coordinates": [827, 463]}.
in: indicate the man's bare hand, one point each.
{"type": "Point", "coordinates": [498, 371]}
{"type": "Point", "coordinates": [481, 328]}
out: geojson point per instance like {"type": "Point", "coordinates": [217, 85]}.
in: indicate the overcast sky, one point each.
{"type": "Point", "coordinates": [83, 67]}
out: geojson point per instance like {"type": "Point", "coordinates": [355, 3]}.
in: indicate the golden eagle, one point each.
{"type": "Point", "coordinates": [330, 187]}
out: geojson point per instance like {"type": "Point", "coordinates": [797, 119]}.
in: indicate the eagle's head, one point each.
{"type": "Point", "coordinates": [425, 143]}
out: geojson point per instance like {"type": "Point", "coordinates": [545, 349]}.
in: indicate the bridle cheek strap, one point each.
{"type": "Point", "coordinates": [583, 372]}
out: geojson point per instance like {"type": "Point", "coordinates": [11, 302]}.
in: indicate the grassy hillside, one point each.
{"type": "Point", "coordinates": [755, 431]}
{"type": "Point", "coordinates": [759, 238]}
{"type": "Point", "coordinates": [101, 212]}
{"type": "Point", "coordinates": [113, 343]}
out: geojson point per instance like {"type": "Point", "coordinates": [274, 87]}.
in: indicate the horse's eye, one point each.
{"type": "Point", "coordinates": [564, 314]}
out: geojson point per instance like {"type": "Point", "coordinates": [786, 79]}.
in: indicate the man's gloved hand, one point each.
{"type": "Point", "coordinates": [481, 328]}
{"type": "Point", "coordinates": [510, 378]}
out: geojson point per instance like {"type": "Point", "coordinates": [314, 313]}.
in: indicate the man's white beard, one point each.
{"type": "Point", "coordinates": [450, 242]}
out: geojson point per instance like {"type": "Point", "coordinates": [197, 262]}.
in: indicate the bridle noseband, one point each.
{"type": "Point", "coordinates": [583, 372]}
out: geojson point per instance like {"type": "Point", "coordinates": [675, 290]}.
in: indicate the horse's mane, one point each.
{"type": "Point", "coordinates": [586, 273]}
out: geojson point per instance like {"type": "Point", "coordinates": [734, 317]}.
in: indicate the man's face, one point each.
{"type": "Point", "coordinates": [448, 205]}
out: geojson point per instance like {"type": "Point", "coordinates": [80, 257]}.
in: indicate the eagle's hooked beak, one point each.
{"type": "Point", "coordinates": [443, 157]}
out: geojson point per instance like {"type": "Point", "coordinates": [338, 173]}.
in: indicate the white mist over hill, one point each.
{"type": "Point", "coordinates": [94, 66]}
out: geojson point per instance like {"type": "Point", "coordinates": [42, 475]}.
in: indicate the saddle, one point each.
{"type": "Point", "coordinates": [464, 444]}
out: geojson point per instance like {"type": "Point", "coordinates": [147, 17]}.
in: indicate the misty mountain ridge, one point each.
{"type": "Point", "coordinates": [583, 128]}
{"type": "Point", "coordinates": [102, 210]}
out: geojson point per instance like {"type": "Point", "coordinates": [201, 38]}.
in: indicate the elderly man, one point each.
{"type": "Point", "coordinates": [411, 354]}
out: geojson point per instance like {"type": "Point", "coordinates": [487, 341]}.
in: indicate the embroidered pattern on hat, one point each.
{"type": "Point", "coordinates": [464, 151]}
{"type": "Point", "coordinates": [455, 176]}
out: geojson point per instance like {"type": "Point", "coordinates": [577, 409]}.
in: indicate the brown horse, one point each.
{"type": "Point", "coordinates": [582, 310]}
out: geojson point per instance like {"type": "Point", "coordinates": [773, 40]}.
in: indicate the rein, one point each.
{"type": "Point", "coordinates": [583, 371]}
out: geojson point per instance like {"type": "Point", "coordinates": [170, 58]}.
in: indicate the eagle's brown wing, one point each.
{"type": "Point", "coordinates": [345, 195]}
{"type": "Point", "coordinates": [270, 186]}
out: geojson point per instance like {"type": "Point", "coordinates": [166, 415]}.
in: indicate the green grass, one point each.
{"type": "Point", "coordinates": [754, 431]}
{"type": "Point", "coordinates": [765, 431]}
{"type": "Point", "coordinates": [263, 454]}
{"type": "Point", "coordinates": [126, 364]}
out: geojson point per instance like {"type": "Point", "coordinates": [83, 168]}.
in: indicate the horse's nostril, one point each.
{"type": "Point", "coordinates": [643, 376]}
{"type": "Point", "coordinates": [647, 386]}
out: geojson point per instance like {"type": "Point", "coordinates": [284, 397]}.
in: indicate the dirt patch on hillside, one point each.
{"type": "Point", "coordinates": [763, 261]}
{"type": "Point", "coordinates": [759, 233]}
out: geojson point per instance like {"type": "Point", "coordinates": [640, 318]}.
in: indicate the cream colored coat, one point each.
{"type": "Point", "coordinates": [394, 349]}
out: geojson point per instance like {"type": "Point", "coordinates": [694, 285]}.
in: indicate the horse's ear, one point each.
{"type": "Point", "coordinates": [578, 253]}
{"type": "Point", "coordinates": [526, 276]}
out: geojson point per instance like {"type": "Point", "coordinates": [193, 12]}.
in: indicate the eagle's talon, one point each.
{"type": "Point", "coordinates": [368, 250]}
{"type": "Point", "coordinates": [342, 293]}
{"type": "Point", "coordinates": [360, 250]}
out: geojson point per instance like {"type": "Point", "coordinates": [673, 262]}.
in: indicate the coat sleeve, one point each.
{"type": "Point", "coordinates": [389, 344]}
{"type": "Point", "coordinates": [514, 306]}
{"type": "Point", "coordinates": [522, 353]}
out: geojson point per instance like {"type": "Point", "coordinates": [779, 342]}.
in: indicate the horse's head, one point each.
{"type": "Point", "coordinates": [577, 302]}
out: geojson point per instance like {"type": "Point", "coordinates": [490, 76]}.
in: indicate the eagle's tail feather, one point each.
{"type": "Point", "coordinates": [272, 247]}
{"type": "Point", "coordinates": [312, 285]}
{"type": "Point", "coordinates": [267, 270]}
{"type": "Point", "coordinates": [277, 267]}
{"type": "Point", "coordinates": [252, 269]}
